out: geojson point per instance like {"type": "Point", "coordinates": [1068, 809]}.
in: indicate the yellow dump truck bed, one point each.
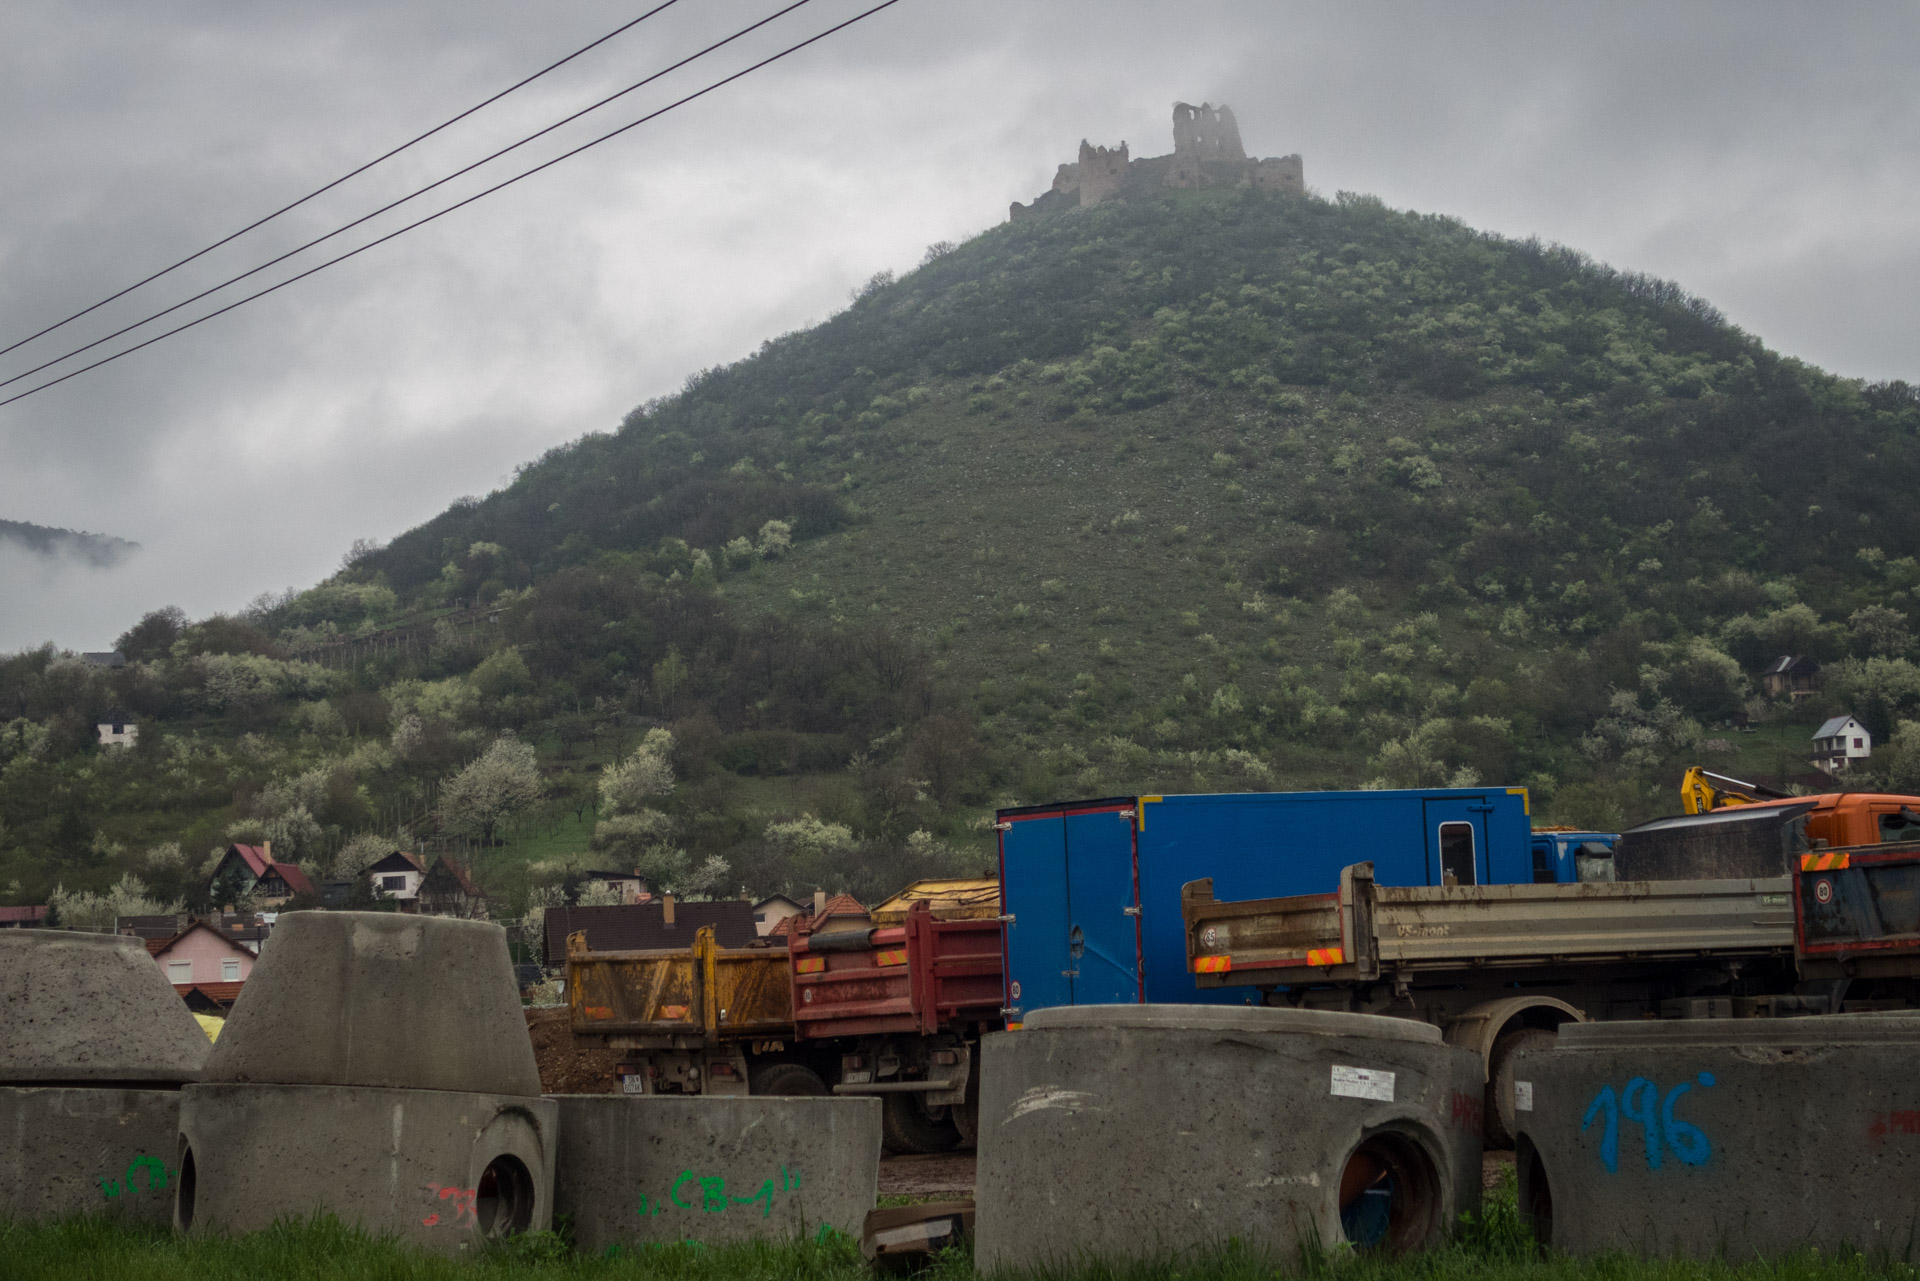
{"type": "Point", "coordinates": [703, 992]}
{"type": "Point", "coordinates": [970, 898]}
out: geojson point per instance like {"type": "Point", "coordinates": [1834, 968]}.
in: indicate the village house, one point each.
{"type": "Point", "coordinates": [630, 887]}
{"type": "Point", "coordinates": [769, 912]}
{"type": "Point", "coordinates": [22, 918]}
{"type": "Point", "coordinates": [1839, 742]}
{"type": "Point", "coordinates": [117, 728]}
{"type": "Point", "coordinates": [206, 967]}
{"type": "Point", "coordinates": [251, 869]}
{"type": "Point", "coordinates": [398, 876]}
{"type": "Point", "coordinates": [448, 889]}
{"type": "Point", "coordinates": [1791, 677]}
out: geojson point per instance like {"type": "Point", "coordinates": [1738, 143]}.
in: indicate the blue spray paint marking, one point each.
{"type": "Point", "coordinates": [1637, 1103]}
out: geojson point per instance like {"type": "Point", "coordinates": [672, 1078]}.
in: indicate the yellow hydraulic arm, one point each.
{"type": "Point", "coordinates": [1702, 791]}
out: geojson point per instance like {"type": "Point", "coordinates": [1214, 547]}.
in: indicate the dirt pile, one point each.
{"type": "Point", "coordinates": [568, 1064]}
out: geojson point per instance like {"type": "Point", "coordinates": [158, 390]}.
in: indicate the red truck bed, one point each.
{"type": "Point", "coordinates": [916, 978]}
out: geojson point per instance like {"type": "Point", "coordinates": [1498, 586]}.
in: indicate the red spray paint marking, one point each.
{"type": "Point", "coordinates": [1468, 1112]}
{"type": "Point", "coordinates": [1886, 1123]}
{"type": "Point", "coordinates": [464, 1200]}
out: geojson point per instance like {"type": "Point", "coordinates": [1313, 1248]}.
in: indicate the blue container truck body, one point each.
{"type": "Point", "coordinates": [1091, 889]}
{"type": "Point", "coordinates": [1559, 856]}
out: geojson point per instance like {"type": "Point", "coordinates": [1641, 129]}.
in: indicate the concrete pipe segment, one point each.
{"type": "Point", "coordinates": [94, 1046]}
{"type": "Point", "coordinates": [1703, 1137]}
{"type": "Point", "coordinates": [634, 1170]}
{"type": "Point", "coordinates": [376, 1067]}
{"type": "Point", "coordinates": [1155, 1130]}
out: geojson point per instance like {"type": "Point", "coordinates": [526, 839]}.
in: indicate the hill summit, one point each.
{"type": "Point", "coordinates": [1207, 153]}
{"type": "Point", "coordinates": [1233, 487]}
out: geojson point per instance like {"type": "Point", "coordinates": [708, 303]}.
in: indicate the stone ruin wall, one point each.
{"type": "Point", "coordinates": [1101, 172]}
{"type": "Point", "coordinates": [1207, 153]}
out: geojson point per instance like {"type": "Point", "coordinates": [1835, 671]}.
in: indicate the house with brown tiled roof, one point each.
{"type": "Point", "coordinates": [209, 998]}
{"type": "Point", "coordinates": [22, 918]}
{"type": "Point", "coordinates": [251, 867]}
{"type": "Point", "coordinates": [829, 913]}
{"type": "Point", "coordinates": [448, 889]}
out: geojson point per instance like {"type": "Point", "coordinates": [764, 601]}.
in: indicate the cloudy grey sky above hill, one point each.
{"type": "Point", "coordinates": [1767, 157]}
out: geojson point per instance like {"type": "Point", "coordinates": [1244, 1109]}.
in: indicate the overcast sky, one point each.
{"type": "Point", "coordinates": [1767, 157]}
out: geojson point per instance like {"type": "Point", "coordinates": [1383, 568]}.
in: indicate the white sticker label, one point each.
{"type": "Point", "coordinates": [1523, 1096]}
{"type": "Point", "coordinates": [1362, 1083]}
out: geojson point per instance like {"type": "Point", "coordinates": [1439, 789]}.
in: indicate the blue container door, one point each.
{"type": "Point", "coordinates": [1034, 854]}
{"type": "Point", "coordinates": [1103, 936]}
{"type": "Point", "coordinates": [1457, 840]}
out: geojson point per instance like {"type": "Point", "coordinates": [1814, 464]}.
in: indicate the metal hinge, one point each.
{"type": "Point", "coordinates": [1007, 919]}
{"type": "Point", "coordinates": [1126, 814]}
{"type": "Point", "coordinates": [1003, 827]}
{"type": "Point", "coordinates": [1069, 974]}
{"type": "Point", "coordinates": [1131, 911]}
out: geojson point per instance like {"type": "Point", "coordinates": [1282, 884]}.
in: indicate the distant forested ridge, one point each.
{"type": "Point", "coordinates": [1229, 490]}
{"type": "Point", "coordinates": [102, 551]}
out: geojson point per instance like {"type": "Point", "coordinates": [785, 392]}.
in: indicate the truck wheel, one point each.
{"type": "Point", "coordinates": [791, 1079]}
{"type": "Point", "coordinates": [908, 1126]}
{"type": "Point", "coordinates": [1500, 1124]}
{"type": "Point", "coordinates": [966, 1117]}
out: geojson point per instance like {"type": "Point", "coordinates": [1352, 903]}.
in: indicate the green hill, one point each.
{"type": "Point", "coordinates": [1226, 490]}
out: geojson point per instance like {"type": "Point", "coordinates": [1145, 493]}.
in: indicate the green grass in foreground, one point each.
{"type": "Point", "coordinates": [1492, 1248]}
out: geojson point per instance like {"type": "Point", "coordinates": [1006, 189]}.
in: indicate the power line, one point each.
{"type": "Point", "coordinates": [395, 204]}
{"type": "Point", "coordinates": [548, 164]}
{"type": "Point", "coordinates": [351, 173]}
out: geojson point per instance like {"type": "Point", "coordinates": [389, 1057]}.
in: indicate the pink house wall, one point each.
{"type": "Point", "coordinates": [206, 951]}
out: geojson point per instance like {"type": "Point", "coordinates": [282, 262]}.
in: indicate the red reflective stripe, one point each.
{"type": "Point", "coordinates": [810, 965]}
{"type": "Point", "coordinates": [1212, 964]}
{"type": "Point", "coordinates": [892, 956]}
{"type": "Point", "coordinates": [1325, 956]}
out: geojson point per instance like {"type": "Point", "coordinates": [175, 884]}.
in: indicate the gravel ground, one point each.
{"type": "Point", "coordinates": [942, 1175]}
{"type": "Point", "coordinates": [951, 1173]}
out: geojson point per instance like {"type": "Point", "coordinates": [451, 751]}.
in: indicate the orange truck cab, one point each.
{"type": "Point", "coordinates": [1853, 818]}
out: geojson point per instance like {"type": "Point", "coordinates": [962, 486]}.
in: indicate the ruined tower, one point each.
{"type": "Point", "coordinates": [1102, 172]}
{"type": "Point", "coordinates": [1206, 132]}
{"type": "Point", "coordinates": [1206, 153]}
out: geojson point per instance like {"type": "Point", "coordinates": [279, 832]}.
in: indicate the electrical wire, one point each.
{"type": "Point", "coordinates": [395, 204]}
{"type": "Point", "coordinates": [421, 222]}
{"type": "Point", "coordinates": [351, 173]}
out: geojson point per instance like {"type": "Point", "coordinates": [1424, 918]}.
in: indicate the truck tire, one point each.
{"type": "Point", "coordinates": [795, 1080]}
{"type": "Point", "coordinates": [966, 1117]}
{"type": "Point", "coordinates": [1500, 1126]}
{"type": "Point", "coordinates": [909, 1127]}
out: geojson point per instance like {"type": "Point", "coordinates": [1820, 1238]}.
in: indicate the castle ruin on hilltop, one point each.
{"type": "Point", "coordinates": [1206, 153]}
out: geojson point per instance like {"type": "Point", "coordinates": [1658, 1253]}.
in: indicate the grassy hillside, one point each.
{"type": "Point", "coordinates": [1230, 490]}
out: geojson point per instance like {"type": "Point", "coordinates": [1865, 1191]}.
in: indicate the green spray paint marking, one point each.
{"type": "Point", "coordinates": [709, 1195]}
{"type": "Point", "coordinates": [157, 1177]}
